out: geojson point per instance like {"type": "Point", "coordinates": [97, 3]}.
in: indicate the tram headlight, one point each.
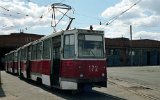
{"type": "Point", "coordinates": [103, 74]}
{"type": "Point", "coordinates": [79, 67]}
{"type": "Point", "coordinates": [81, 75]}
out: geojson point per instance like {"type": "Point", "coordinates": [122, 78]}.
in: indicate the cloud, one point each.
{"type": "Point", "coordinates": [6, 32]}
{"type": "Point", "coordinates": [17, 14]}
{"type": "Point", "coordinates": [145, 35]}
{"type": "Point", "coordinates": [151, 5]}
{"type": "Point", "coordinates": [143, 16]}
{"type": "Point", "coordinates": [150, 21]}
{"type": "Point", "coordinates": [113, 31]}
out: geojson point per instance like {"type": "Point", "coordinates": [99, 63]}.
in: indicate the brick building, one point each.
{"type": "Point", "coordinates": [118, 50]}
{"type": "Point", "coordinates": [13, 41]}
{"type": "Point", "coordinates": [123, 52]}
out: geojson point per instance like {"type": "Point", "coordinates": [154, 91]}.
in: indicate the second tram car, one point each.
{"type": "Point", "coordinates": [68, 60]}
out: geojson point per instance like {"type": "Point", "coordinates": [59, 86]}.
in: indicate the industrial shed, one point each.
{"type": "Point", "coordinates": [123, 52]}
{"type": "Point", "coordinates": [118, 50]}
{"type": "Point", "coordinates": [13, 41]}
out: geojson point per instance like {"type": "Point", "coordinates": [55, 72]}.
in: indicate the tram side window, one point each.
{"type": "Point", "coordinates": [33, 52]}
{"type": "Point", "coordinates": [24, 54]}
{"type": "Point", "coordinates": [18, 54]}
{"type": "Point", "coordinates": [21, 58]}
{"type": "Point", "coordinates": [39, 50]}
{"type": "Point", "coordinates": [21, 54]}
{"type": "Point", "coordinates": [69, 43]}
{"type": "Point", "coordinates": [11, 57]}
{"type": "Point", "coordinates": [46, 49]}
{"type": "Point", "coordinates": [15, 56]}
{"type": "Point", "coordinates": [29, 53]}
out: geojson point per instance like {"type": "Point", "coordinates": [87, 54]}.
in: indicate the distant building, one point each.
{"type": "Point", "coordinates": [13, 41]}
{"type": "Point", "coordinates": [118, 50]}
{"type": "Point", "coordinates": [123, 52]}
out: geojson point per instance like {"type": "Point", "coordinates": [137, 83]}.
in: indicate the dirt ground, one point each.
{"type": "Point", "coordinates": [126, 83]}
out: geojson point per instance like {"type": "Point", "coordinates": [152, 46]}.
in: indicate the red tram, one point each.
{"type": "Point", "coordinates": [68, 60]}
{"type": "Point", "coordinates": [11, 64]}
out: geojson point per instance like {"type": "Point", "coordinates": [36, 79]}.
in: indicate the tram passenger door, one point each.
{"type": "Point", "coordinates": [55, 71]}
{"type": "Point", "coordinates": [28, 63]}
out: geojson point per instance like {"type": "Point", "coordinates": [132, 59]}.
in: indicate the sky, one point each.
{"type": "Point", "coordinates": [16, 15]}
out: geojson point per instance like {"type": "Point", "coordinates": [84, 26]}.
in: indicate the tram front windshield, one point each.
{"type": "Point", "coordinates": [90, 46]}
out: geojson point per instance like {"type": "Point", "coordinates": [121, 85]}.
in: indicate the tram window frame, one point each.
{"type": "Point", "coordinates": [33, 52]}
{"type": "Point", "coordinates": [69, 46]}
{"type": "Point", "coordinates": [25, 53]}
{"type": "Point", "coordinates": [46, 52]}
{"type": "Point", "coordinates": [29, 53]}
{"type": "Point", "coordinates": [22, 54]}
{"type": "Point", "coordinates": [11, 56]}
{"type": "Point", "coordinates": [15, 56]}
{"type": "Point", "coordinates": [90, 38]}
{"type": "Point", "coordinates": [56, 43]}
{"type": "Point", "coordinates": [39, 50]}
{"type": "Point", "coordinates": [18, 55]}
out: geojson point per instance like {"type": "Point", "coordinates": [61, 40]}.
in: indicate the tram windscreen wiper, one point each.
{"type": "Point", "coordinates": [92, 53]}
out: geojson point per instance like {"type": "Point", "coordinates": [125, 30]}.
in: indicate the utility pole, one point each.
{"type": "Point", "coordinates": [131, 54]}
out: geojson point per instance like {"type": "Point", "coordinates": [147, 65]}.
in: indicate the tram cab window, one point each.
{"type": "Point", "coordinates": [69, 46]}
{"type": "Point", "coordinates": [90, 46]}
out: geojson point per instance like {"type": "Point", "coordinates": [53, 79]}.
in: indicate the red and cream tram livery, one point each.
{"type": "Point", "coordinates": [15, 62]}
{"type": "Point", "coordinates": [11, 62]}
{"type": "Point", "coordinates": [68, 60]}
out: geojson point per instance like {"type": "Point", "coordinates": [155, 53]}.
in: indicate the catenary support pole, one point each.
{"type": "Point", "coordinates": [131, 52]}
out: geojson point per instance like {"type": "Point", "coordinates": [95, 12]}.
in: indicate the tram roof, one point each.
{"type": "Point", "coordinates": [56, 34]}
{"type": "Point", "coordinates": [73, 31]}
